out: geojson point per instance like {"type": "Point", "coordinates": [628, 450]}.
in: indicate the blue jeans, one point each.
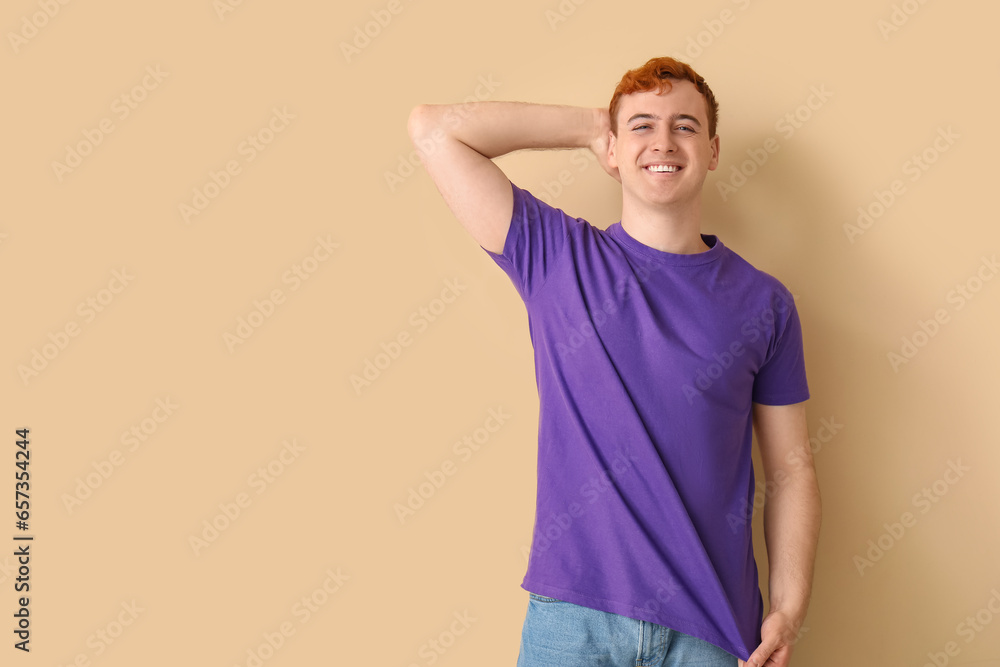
{"type": "Point", "coordinates": [562, 634]}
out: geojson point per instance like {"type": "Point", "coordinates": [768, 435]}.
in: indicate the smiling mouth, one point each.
{"type": "Point", "coordinates": [663, 168]}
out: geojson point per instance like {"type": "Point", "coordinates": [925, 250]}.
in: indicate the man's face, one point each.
{"type": "Point", "coordinates": [663, 151]}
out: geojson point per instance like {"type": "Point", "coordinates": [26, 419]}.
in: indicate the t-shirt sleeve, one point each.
{"type": "Point", "coordinates": [781, 379]}
{"type": "Point", "coordinates": [536, 240]}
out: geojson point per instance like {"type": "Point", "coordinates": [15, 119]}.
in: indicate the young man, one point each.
{"type": "Point", "coordinates": [658, 351]}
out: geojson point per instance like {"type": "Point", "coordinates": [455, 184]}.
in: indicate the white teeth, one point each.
{"type": "Point", "coordinates": [662, 168]}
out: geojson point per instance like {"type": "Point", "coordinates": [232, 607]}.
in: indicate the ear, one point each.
{"type": "Point", "coordinates": [612, 144]}
{"type": "Point", "coordinates": [714, 146]}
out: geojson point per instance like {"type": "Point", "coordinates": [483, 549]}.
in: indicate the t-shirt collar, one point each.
{"type": "Point", "coordinates": [713, 253]}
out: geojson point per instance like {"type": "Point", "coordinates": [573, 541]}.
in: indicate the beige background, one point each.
{"type": "Point", "coordinates": [332, 506]}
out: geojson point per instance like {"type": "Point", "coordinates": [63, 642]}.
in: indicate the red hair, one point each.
{"type": "Point", "coordinates": [656, 75]}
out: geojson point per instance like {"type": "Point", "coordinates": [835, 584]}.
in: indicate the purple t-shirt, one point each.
{"type": "Point", "coordinates": [647, 363]}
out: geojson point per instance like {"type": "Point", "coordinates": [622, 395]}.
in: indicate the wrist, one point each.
{"type": "Point", "coordinates": [601, 126]}
{"type": "Point", "coordinates": [795, 614]}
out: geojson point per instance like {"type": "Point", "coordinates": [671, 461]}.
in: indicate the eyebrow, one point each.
{"type": "Point", "coordinates": [675, 117]}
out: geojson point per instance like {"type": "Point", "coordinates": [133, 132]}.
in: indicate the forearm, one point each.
{"type": "Point", "coordinates": [497, 128]}
{"type": "Point", "coordinates": [792, 520]}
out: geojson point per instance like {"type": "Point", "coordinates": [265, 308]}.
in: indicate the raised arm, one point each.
{"type": "Point", "coordinates": [457, 144]}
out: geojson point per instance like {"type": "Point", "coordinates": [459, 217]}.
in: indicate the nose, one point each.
{"type": "Point", "coordinates": [663, 141]}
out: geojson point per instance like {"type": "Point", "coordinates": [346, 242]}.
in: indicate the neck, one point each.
{"type": "Point", "coordinates": [672, 229]}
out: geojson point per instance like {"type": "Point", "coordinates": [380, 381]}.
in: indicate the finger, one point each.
{"type": "Point", "coordinates": [760, 657]}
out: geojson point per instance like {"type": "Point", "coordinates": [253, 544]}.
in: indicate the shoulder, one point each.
{"type": "Point", "coordinates": [528, 206]}
{"type": "Point", "coordinates": [761, 281]}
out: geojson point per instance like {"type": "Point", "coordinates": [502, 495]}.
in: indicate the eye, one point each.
{"type": "Point", "coordinates": [686, 128]}
{"type": "Point", "coordinates": [639, 127]}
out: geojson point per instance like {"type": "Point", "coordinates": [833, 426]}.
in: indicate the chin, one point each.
{"type": "Point", "coordinates": [664, 197]}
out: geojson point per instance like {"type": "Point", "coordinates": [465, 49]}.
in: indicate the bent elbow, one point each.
{"type": "Point", "coordinates": [421, 121]}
